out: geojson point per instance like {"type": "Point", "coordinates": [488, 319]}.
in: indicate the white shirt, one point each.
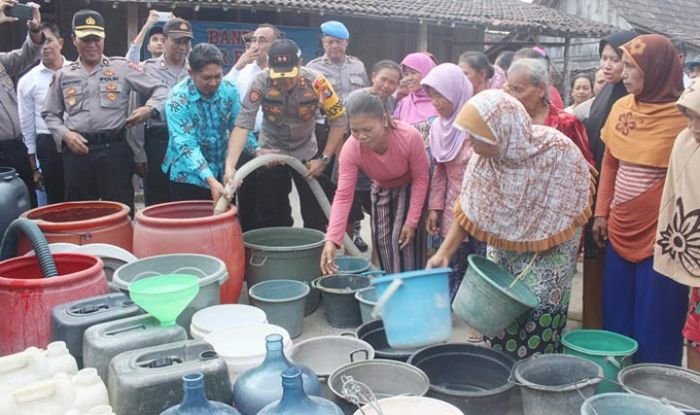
{"type": "Point", "coordinates": [31, 94]}
{"type": "Point", "coordinates": [243, 79]}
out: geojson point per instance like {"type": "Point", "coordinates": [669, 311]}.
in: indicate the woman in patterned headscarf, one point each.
{"type": "Point", "coordinates": [638, 135]}
{"type": "Point", "coordinates": [526, 193]}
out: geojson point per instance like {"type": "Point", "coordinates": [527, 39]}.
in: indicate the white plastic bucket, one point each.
{"type": "Point", "coordinates": [411, 405]}
{"type": "Point", "coordinates": [221, 317]}
{"type": "Point", "coordinates": [243, 347]}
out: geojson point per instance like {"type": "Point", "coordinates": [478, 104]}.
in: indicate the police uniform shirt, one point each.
{"type": "Point", "coordinates": [97, 101]}
{"type": "Point", "coordinates": [11, 64]}
{"type": "Point", "coordinates": [168, 75]}
{"type": "Point", "coordinates": [288, 118]}
{"type": "Point", "coordinates": [346, 77]}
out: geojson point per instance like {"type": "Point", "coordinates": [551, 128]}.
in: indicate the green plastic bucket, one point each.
{"type": "Point", "coordinates": [284, 253]}
{"type": "Point", "coordinates": [485, 301]}
{"type": "Point", "coordinates": [609, 350]}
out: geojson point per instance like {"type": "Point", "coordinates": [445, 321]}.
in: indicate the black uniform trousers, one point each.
{"type": "Point", "coordinates": [186, 191]}
{"type": "Point", "coordinates": [156, 184]}
{"type": "Point", "coordinates": [104, 173]}
{"type": "Point", "coordinates": [51, 162]}
{"type": "Point", "coordinates": [13, 153]}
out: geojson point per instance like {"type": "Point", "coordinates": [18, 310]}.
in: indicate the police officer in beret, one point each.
{"type": "Point", "coordinates": [169, 68]}
{"type": "Point", "coordinates": [93, 94]}
{"type": "Point", "coordinates": [289, 96]}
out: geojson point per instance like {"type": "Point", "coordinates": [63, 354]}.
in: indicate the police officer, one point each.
{"type": "Point", "coordinates": [347, 74]}
{"type": "Point", "coordinates": [290, 96]}
{"type": "Point", "coordinates": [94, 94]}
{"type": "Point", "coordinates": [170, 68]}
{"type": "Point", "coordinates": [13, 152]}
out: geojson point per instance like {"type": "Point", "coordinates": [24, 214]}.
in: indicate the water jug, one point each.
{"type": "Point", "coordinates": [296, 402]}
{"type": "Point", "coordinates": [35, 364]}
{"type": "Point", "coordinates": [14, 197]}
{"type": "Point", "coordinates": [195, 401]}
{"type": "Point", "coordinates": [256, 388]}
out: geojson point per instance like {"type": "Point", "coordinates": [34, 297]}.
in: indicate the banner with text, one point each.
{"type": "Point", "coordinates": [228, 37]}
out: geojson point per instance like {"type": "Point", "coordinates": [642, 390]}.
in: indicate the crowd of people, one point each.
{"type": "Point", "coordinates": [447, 159]}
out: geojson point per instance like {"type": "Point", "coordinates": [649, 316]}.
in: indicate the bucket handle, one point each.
{"type": "Point", "coordinates": [197, 272]}
{"type": "Point", "coordinates": [347, 334]}
{"type": "Point", "coordinates": [390, 291]}
{"type": "Point", "coordinates": [262, 259]}
{"type": "Point", "coordinates": [354, 352]}
{"type": "Point", "coordinates": [145, 274]}
{"type": "Point", "coordinates": [314, 282]}
{"type": "Point", "coordinates": [613, 362]}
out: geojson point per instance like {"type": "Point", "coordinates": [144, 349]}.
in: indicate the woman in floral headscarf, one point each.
{"type": "Point", "coordinates": [677, 248]}
{"type": "Point", "coordinates": [526, 193]}
{"type": "Point", "coordinates": [638, 135]}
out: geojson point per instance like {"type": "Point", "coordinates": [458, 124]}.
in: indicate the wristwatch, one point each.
{"type": "Point", "coordinates": [155, 113]}
{"type": "Point", "coordinates": [326, 159]}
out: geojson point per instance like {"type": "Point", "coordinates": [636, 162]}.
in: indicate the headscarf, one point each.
{"type": "Point", "coordinates": [641, 128]}
{"type": "Point", "coordinates": [604, 101]}
{"type": "Point", "coordinates": [536, 193]}
{"type": "Point", "coordinates": [498, 79]}
{"type": "Point", "coordinates": [447, 79]}
{"type": "Point", "coordinates": [677, 247]}
{"type": "Point", "coordinates": [416, 106]}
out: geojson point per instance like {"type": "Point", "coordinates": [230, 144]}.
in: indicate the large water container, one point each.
{"type": "Point", "coordinates": [102, 342]}
{"type": "Point", "coordinates": [14, 197]}
{"type": "Point", "coordinates": [83, 223]}
{"type": "Point", "coordinates": [148, 381]}
{"type": "Point", "coordinates": [58, 395]}
{"type": "Point", "coordinates": [27, 298]}
{"type": "Point", "coordinates": [70, 320]}
{"type": "Point", "coordinates": [35, 364]}
{"type": "Point", "coordinates": [191, 227]}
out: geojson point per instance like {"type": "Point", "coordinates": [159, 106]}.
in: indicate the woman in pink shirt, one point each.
{"type": "Point", "coordinates": [451, 151]}
{"type": "Point", "coordinates": [392, 154]}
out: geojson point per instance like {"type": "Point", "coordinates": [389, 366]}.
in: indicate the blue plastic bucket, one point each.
{"type": "Point", "coordinates": [415, 307]}
{"type": "Point", "coordinates": [352, 265]}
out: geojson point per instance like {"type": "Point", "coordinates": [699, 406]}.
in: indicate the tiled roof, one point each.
{"type": "Point", "coordinates": [491, 14]}
{"type": "Point", "coordinates": [674, 18]}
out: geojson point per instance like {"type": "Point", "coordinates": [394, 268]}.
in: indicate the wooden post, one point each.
{"type": "Point", "coordinates": [567, 74]}
{"type": "Point", "coordinates": [422, 37]}
{"type": "Point", "coordinates": [132, 25]}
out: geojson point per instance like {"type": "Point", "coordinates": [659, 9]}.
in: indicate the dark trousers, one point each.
{"type": "Point", "coordinates": [246, 197]}
{"type": "Point", "coordinates": [156, 184]}
{"type": "Point", "coordinates": [272, 196]}
{"type": "Point", "coordinates": [13, 153]}
{"type": "Point", "coordinates": [103, 173]}
{"type": "Point", "coordinates": [185, 191]}
{"type": "Point", "coordinates": [51, 162]}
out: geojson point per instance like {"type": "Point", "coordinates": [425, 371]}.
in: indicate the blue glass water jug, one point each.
{"type": "Point", "coordinates": [296, 402]}
{"type": "Point", "coordinates": [195, 401]}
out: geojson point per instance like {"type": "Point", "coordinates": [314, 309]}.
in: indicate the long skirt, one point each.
{"type": "Point", "coordinates": [640, 303]}
{"type": "Point", "coordinates": [549, 278]}
{"type": "Point", "coordinates": [389, 211]}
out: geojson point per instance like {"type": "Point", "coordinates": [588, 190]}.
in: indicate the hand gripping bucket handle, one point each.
{"type": "Point", "coordinates": [390, 291]}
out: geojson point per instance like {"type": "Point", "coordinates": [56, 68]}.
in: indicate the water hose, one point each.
{"type": "Point", "coordinates": [10, 241]}
{"type": "Point", "coordinates": [299, 167]}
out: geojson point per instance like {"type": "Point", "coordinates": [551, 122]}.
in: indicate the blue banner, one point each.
{"type": "Point", "coordinates": [228, 37]}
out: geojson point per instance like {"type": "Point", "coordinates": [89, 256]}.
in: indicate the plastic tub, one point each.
{"type": "Point", "coordinates": [626, 404]}
{"type": "Point", "coordinates": [27, 298]}
{"type": "Point", "coordinates": [191, 227]}
{"type": "Point", "coordinates": [411, 405]}
{"type": "Point", "coordinates": [221, 317]}
{"type": "Point", "coordinates": [210, 270]}
{"type": "Point", "coordinates": [367, 299]}
{"type": "Point", "coordinates": [342, 309]}
{"type": "Point", "coordinates": [373, 333]}
{"type": "Point", "coordinates": [243, 347]}
{"type": "Point", "coordinates": [283, 301]}
{"type": "Point", "coordinates": [677, 385]}
{"type": "Point", "coordinates": [83, 223]}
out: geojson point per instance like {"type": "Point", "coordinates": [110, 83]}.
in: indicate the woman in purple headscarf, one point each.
{"type": "Point", "coordinates": [416, 108]}
{"type": "Point", "coordinates": [448, 90]}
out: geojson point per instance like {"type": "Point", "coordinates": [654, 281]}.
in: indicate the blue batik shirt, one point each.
{"type": "Point", "coordinates": [199, 129]}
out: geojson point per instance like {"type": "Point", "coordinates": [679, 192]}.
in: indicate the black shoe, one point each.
{"type": "Point", "coordinates": [360, 243]}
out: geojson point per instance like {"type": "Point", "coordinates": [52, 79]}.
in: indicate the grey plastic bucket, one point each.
{"type": "Point", "coordinates": [626, 404]}
{"type": "Point", "coordinates": [283, 301]}
{"type": "Point", "coordinates": [210, 270]}
{"type": "Point", "coordinates": [367, 298]}
{"type": "Point", "coordinates": [352, 264]}
{"type": "Point", "coordinates": [554, 384]}
{"type": "Point", "coordinates": [341, 306]}
{"type": "Point", "coordinates": [473, 378]}
{"type": "Point", "coordinates": [284, 253]}
{"type": "Point", "coordinates": [677, 385]}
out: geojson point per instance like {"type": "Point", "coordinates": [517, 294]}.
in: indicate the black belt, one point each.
{"type": "Point", "coordinates": [44, 136]}
{"type": "Point", "coordinates": [11, 144]}
{"type": "Point", "coordinates": [104, 137]}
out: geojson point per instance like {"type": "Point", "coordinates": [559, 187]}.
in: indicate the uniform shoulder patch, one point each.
{"type": "Point", "coordinates": [254, 95]}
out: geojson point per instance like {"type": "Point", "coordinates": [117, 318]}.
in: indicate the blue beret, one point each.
{"type": "Point", "coordinates": [336, 29]}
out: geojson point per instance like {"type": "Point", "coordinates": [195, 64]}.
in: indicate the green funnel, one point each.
{"type": "Point", "coordinates": [165, 296]}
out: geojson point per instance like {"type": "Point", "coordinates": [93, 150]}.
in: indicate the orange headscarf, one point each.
{"type": "Point", "coordinates": [641, 128]}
